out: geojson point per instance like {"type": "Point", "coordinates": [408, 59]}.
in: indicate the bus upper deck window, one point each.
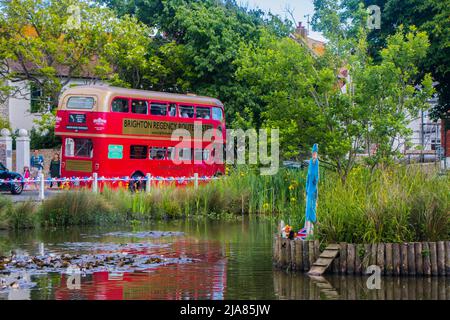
{"type": "Point", "coordinates": [217, 113]}
{"type": "Point", "coordinates": [120, 105]}
{"type": "Point", "coordinates": [139, 106]}
{"type": "Point", "coordinates": [172, 110]}
{"type": "Point", "coordinates": [158, 109]}
{"type": "Point", "coordinates": [85, 103]}
{"type": "Point", "coordinates": [186, 112]}
{"type": "Point", "coordinates": [203, 113]}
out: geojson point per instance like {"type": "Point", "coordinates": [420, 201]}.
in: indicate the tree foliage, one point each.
{"type": "Point", "coordinates": [48, 43]}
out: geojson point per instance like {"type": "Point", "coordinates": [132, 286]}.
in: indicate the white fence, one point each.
{"type": "Point", "coordinates": [94, 180]}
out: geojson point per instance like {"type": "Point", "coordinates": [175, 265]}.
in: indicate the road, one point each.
{"type": "Point", "coordinates": [32, 195]}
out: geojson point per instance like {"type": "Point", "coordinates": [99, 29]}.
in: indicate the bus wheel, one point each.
{"type": "Point", "coordinates": [136, 185]}
{"type": "Point", "coordinates": [218, 174]}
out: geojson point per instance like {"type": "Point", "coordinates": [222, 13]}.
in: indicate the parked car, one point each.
{"type": "Point", "coordinates": [13, 187]}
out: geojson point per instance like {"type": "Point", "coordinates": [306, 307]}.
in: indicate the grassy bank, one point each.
{"type": "Point", "coordinates": [392, 205]}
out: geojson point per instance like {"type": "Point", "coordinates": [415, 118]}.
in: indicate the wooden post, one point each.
{"type": "Point", "coordinates": [311, 253]}
{"type": "Point", "coordinates": [380, 257]}
{"type": "Point", "coordinates": [419, 258]}
{"type": "Point", "coordinates": [283, 253]}
{"type": "Point", "coordinates": [366, 259]}
{"type": "Point", "coordinates": [351, 258]}
{"type": "Point", "coordinates": [149, 182]}
{"type": "Point", "coordinates": [335, 265]}
{"type": "Point", "coordinates": [276, 252]}
{"type": "Point", "coordinates": [316, 249]}
{"type": "Point", "coordinates": [288, 255]}
{"type": "Point", "coordinates": [404, 259]}
{"type": "Point", "coordinates": [373, 254]}
{"type": "Point", "coordinates": [305, 248]}
{"type": "Point", "coordinates": [426, 259]}
{"type": "Point", "coordinates": [358, 258]}
{"type": "Point", "coordinates": [95, 182]}
{"type": "Point", "coordinates": [433, 258]}
{"type": "Point", "coordinates": [196, 180]}
{"type": "Point", "coordinates": [447, 258]}
{"type": "Point", "coordinates": [389, 270]}
{"type": "Point", "coordinates": [293, 260]}
{"type": "Point", "coordinates": [343, 257]}
{"type": "Point", "coordinates": [396, 259]}
{"type": "Point", "coordinates": [411, 260]}
{"type": "Point", "coordinates": [299, 255]}
{"type": "Point", "coordinates": [41, 187]}
{"type": "Point", "coordinates": [440, 248]}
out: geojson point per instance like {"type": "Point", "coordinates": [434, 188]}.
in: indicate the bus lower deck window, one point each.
{"type": "Point", "coordinates": [184, 154]}
{"type": "Point", "coordinates": [76, 147]}
{"type": "Point", "coordinates": [171, 153]}
{"type": "Point", "coordinates": [138, 152]}
{"type": "Point", "coordinates": [139, 106]}
{"type": "Point", "coordinates": [157, 153]}
{"type": "Point", "coordinates": [158, 109]}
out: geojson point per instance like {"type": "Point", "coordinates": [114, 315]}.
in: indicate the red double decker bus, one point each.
{"type": "Point", "coordinates": [118, 132]}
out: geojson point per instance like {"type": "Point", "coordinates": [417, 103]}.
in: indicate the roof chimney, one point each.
{"type": "Point", "coordinates": [301, 30]}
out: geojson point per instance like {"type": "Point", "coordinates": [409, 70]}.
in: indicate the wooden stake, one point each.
{"type": "Point", "coordinates": [411, 260]}
{"type": "Point", "coordinates": [351, 258]}
{"type": "Point", "coordinates": [396, 259]}
{"type": "Point", "coordinates": [441, 257]}
{"type": "Point", "coordinates": [305, 255]}
{"type": "Point", "coordinates": [388, 259]}
{"type": "Point", "coordinates": [426, 259]}
{"type": "Point", "coordinates": [433, 257]}
{"type": "Point", "coordinates": [380, 257]}
{"type": "Point", "coordinates": [404, 259]}
{"type": "Point", "coordinates": [343, 259]}
{"type": "Point", "coordinates": [419, 258]}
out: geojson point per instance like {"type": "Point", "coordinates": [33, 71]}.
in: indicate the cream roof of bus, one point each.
{"type": "Point", "coordinates": [105, 94]}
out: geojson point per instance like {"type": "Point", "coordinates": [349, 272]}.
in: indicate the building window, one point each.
{"type": "Point", "coordinates": [38, 101]}
{"type": "Point", "coordinates": [138, 152]}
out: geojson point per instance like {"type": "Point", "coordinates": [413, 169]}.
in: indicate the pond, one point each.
{"type": "Point", "coordinates": [187, 260]}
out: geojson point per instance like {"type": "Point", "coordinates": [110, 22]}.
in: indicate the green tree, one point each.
{"type": "Point", "coordinates": [431, 16]}
{"type": "Point", "coordinates": [198, 43]}
{"type": "Point", "coordinates": [48, 43]}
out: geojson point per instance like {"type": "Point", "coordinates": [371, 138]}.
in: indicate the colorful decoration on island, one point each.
{"type": "Point", "coordinates": [288, 232]}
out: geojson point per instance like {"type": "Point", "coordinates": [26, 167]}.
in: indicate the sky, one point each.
{"type": "Point", "coordinates": [300, 8]}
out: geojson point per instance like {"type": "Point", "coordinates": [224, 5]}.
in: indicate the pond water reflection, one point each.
{"type": "Point", "coordinates": [230, 260]}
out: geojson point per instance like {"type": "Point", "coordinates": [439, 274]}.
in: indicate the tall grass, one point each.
{"type": "Point", "coordinates": [17, 216]}
{"type": "Point", "coordinates": [390, 205]}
